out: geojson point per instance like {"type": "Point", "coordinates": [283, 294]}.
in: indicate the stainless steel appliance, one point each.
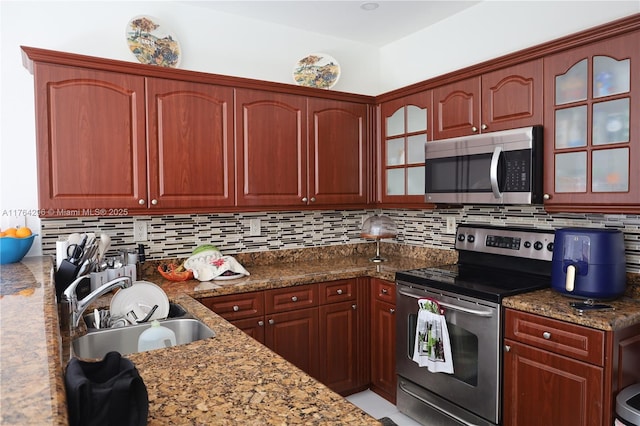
{"type": "Point", "coordinates": [502, 167]}
{"type": "Point", "coordinates": [493, 262]}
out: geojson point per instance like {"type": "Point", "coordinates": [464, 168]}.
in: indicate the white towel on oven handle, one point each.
{"type": "Point", "coordinates": [432, 347]}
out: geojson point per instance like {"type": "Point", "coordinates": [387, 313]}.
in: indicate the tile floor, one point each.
{"type": "Point", "coordinates": [378, 407]}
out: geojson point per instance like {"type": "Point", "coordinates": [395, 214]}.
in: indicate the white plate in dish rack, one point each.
{"type": "Point", "coordinates": [142, 294]}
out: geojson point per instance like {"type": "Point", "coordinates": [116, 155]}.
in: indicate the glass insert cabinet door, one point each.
{"type": "Point", "coordinates": [593, 154]}
{"type": "Point", "coordinates": [405, 132]}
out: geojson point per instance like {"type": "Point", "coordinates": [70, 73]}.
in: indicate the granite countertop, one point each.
{"type": "Point", "coordinates": [228, 379]}
{"type": "Point", "coordinates": [552, 304]}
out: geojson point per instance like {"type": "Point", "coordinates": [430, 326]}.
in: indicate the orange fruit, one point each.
{"type": "Point", "coordinates": [10, 232]}
{"type": "Point", "coordinates": [23, 232]}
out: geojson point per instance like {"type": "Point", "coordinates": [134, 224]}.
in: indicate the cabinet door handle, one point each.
{"type": "Point", "coordinates": [546, 197]}
{"type": "Point", "coordinates": [484, 127]}
{"type": "Point", "coordinates": [313, 199]}
{"type": "Point", "coordinates": [474, 129]}
{"type": "Point", "coordinates": [236, 308]}
{"type": "Point", "coordinates": [546, 335]}
{"type": "Point", "coordinates": [507, 348]}
{"type": "Point", "coordinates": [260, 323]}
{"type": "Point", "coordinates": [354, 307]}
{"type": "Point", "coordinates": [272, 321]}
{"type": "Point", "coordinates": [294, 299]}
{"type": "Point", "coordinates": [392, 311]}
{"type": "Point", "coordinates": [154, 202]}
{"type": "Point", "coordinates": [305, 199]}
{"type": "Point", "coordinates": [339, 291]}
{"type": "Point", "coordinates": [142, 202]}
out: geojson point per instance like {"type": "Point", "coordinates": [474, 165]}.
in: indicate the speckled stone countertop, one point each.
{"type": "Point", "coordinates": [552, 304]}
{"type": "Point", "coordinates": [229, 379]}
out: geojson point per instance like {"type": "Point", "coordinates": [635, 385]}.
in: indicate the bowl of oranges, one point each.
{"type": "Point", "coordinates": [15, 243]}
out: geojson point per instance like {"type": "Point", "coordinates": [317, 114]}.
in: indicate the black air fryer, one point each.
{"type": "Point", "coordinates": [589, 263]}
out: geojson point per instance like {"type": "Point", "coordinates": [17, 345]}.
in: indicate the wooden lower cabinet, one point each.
{"type": "Point", "coordinates": [320, 328]}
{"type": "Point", "coordinates": [294, 336]}
{"type": "Point", "coordinates": [254, 327]}
{"type": "Point", "coordinates": [383, 339]}
{"type": "Point", "coordinates": [339, 338]}
{"type": "Point", "coordinates": [545, 388]}
{"type": "Point", "coordinates": [560, 373]}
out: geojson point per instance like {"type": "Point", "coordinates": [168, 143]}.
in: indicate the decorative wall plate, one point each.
{"type": "Point", "coordinates": [152, 43]}
{"type": "Point", "coordinates": [317, 70]}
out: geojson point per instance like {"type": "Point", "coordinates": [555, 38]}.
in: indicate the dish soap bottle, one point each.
{"type": "Point", "coordinates": [156, 337]}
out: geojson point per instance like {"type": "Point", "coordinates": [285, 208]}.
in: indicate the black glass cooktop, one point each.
{"type": "Point", "coordinates": [486, 283]}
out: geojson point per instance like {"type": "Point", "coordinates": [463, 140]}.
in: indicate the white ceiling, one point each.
{"type": "Point", "coordinates": [391, 21]}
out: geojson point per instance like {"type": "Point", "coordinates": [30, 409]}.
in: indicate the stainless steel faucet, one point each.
{"type": "Point", "coordinates": [77, 308]}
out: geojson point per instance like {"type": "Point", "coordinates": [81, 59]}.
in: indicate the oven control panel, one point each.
{"type": "Point", "coordinates": [512, 241]}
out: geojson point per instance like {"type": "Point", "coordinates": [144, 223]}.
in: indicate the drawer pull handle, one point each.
{"type": "Point", "coordinates": [546, 335]}
{"type": "Point", "coordinates": [272, 321]}
{"type": "Point", "coordinates": [384, 291]}
{"type": "Point", "coordinates": [294, 299]}
{"type": "Point", "coordinates": [236, 308]}
{"type": "Point", "coordinates": [339, 291]}
{"type": "Point", "coordinates": [261, 323]}
{"type": "Point", "coordinates": [354, 307]}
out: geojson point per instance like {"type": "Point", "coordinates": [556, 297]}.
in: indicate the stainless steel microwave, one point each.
{"type": "Point", "coordinates": [503, 167]}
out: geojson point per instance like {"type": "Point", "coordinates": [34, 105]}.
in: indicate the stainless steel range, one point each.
{"type": "Point", "coordinates": [493, 262]}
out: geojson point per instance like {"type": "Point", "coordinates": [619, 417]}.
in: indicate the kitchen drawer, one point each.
{"type": "Point", "coordinates": [572, 340]}
{"type": "Point", "coordinates": [290, 298]}
{"type": "Point", "coordinates": [384, 291]}
{"type": "Point", "coordinates": [337, 291]}
{"type": "Point", "coordinates": [236, 306]}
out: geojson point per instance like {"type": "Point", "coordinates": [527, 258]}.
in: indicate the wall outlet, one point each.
{"type": "Point", "coordinates": [451, 225]}
{"type": "Point", "coordinates": [140, 231]}
{"type": "Point", "coordinates": [254, 227]}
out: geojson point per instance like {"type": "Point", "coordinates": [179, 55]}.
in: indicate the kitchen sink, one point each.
{"type": "Point", "coordinates": [97, 343]}
{"type": "Point", "coordinates": [175, 311]}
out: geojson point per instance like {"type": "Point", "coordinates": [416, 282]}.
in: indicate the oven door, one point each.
{"type": "Point", "coordinates": [475, 336]}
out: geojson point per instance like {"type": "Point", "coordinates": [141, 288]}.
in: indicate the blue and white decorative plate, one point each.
{"type": "Point", "coordinates": [317, 70]}
{"type": "Point", "coordinates": [152, 43]}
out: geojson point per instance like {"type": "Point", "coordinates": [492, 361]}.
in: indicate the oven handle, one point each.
{"type": "Point", "coordinates": [487, 313]}
{"type": "Point", "coordinates": [434, 406]}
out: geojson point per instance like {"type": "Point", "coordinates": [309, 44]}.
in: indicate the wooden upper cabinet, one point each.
{"type": "Point", "coordinates": [190, 132]}
{"type": "Point", "coordinates": [457, 109]}
{"type": "Point", "coordinates": [90, 139]}
{"type": "Point", "coordinates": [592, 146]}
{"type": "Point", "coordinates": [503, 99]}
{"type": "Point", "coordinates": [271, 148]}
{"type": "Point", "coordinates": [406, 125]}
{"type": "Point", "coordinates": [299, 151]}
{"type": "Point", "coordinates": [337, 152]}
{"type": "Point", "coordinates": [512, 97]}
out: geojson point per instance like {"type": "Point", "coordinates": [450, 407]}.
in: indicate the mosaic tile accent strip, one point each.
{"type": "Point", "coordinates": [173, 236]}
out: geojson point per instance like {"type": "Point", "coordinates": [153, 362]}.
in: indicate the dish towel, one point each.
{"type": "Point", "coordinates": [432, 346]}
{"type": "Point", "coordinates": [211, 264]}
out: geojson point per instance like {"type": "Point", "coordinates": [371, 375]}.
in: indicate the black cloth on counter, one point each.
{"type": "Point", "coordinates": [109, 392]}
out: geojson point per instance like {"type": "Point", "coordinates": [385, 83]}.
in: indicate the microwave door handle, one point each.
{"type": "Point", "coordinates": [493, 172]}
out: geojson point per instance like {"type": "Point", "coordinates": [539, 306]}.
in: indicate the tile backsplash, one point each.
{"type": "Point", "coordinates": [172, 236]}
